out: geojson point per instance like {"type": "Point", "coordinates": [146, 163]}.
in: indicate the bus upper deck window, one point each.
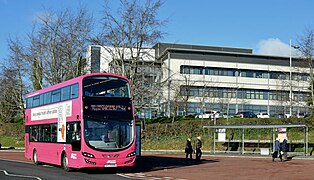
{"type": "Point", "coordinates": [88, 93]}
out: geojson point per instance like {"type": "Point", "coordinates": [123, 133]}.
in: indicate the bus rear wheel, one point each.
{"type": "Point", "coordinates": [65, 163]}
{"type": "Point", "coordinates": [35, 158]}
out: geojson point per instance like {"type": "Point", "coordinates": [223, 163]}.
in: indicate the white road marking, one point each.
{"type": "Point", "coordinates": [124, 175]}
{"type": "Point", "coordinates": [27, 162]}
{"type": "Point", "coordinates": [145, 176]}
{"type": "Point", "coordinates": [18, 175]}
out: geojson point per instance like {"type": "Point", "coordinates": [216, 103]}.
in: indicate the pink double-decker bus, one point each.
{"type": "Point", "coordinates": [84, 122]}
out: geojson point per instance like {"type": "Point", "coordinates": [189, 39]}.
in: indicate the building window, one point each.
{"type": "Point", "coordinates": [214, 71]}
{"type": "Point", "coordinates": [95, 59]}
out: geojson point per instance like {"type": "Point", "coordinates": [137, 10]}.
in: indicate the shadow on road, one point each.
{"type": "Point", "coordinates": [151, 163]}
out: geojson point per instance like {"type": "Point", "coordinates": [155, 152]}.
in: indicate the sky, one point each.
{"type": "Point", "coordinates": [266, 26]}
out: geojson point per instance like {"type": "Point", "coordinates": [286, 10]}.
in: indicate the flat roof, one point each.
{"type": "Point", "coordinates": [220, 54]}
{"type": "Point", "coordinates": [161, 47]}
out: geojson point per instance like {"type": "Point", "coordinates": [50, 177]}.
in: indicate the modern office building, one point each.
{"type": "Point", "coordinates": [196, 79]}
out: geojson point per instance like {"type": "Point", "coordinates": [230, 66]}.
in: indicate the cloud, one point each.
{"type": "Point", "coordinates": [273, 46]}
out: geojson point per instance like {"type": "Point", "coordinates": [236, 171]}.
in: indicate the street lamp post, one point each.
{"type": "Point", "coordinates": [290, 77]}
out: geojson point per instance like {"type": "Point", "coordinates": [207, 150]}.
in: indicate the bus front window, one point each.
{"type": "Point", "coordinates": [105, 134]}
{"type": "Point", "coordinates": [104, 86]}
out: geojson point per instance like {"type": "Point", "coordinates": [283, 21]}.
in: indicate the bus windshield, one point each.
{"type": "Point", "coordinates": [108, 134]}
{"type": "Point", "coordinates": [106, 86]}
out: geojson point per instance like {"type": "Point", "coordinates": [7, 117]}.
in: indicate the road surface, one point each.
{"type": "Point", "coordinates": [172, 167]}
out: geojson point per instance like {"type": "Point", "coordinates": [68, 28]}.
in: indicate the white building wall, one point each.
{"type": "Point", "coordinates": [230, 81]}
{"type": "Point", "coordinates": [107, 54]}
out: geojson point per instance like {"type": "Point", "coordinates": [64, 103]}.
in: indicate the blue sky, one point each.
{"type": "Point", "coordinates": [265, 26]}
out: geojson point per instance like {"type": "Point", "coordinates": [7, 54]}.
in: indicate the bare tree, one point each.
{"type": "Point", "coordinates": [52, 54]}
{"type": "Point", "coordinates": [224, 102]}
{"type": "Point", "coordinates": [13, 82]}
{"type": "Point", "coordinates": [185, 91]}
{"type": "Point", "coordinates": [306, 43]}
{"type": "Point", "coordinates": [128, 32]}
{"type": "Point", "coordinates": [178, 99]}
{"type": "Point", "coordinates": [56, 45]}
{"type": "Point", "coordinates": [210, 94]}
{"type": "Point", "coordinates": [35, 57]}
{"type": "Point", "coordinates": [11, 102]}
{"type": "Point", "coordinates": [281, 94]}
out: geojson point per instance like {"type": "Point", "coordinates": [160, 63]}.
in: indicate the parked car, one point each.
{"type": "Point", "coordinates": [245, 114]}
{"type": "Point", "coordinates": [277, 116]}
{"type": "Point", "coordinates": [225, 115]}
{"type": "Point", "coordinates": [300, 115]}
{"type": "Point", "coordinates": [216, 114]}
{"type": "Point", "coordinates": [307, 115]}
{"type": "Point", "coordinates": [262, 115]}
{"type": "Point", "coordinates": [204, 115]}
{"type": "Point", "coordinates": [209, 114]}
{"type": "Point", "coordinates": [289, 115]}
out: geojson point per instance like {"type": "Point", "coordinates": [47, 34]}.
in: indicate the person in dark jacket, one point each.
{"type": "Point", "coordinates": [198, 148]}
{"type": "Point", "coordinates": [188, 149]}
{"type": "Point", "coordinates": [284, 148]}
{"type": "Point", "coordinates": [277, 150]}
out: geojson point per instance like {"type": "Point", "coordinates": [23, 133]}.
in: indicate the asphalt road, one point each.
{"type": "Point", "coordinates": [10, 170]}
{"type": "Point", "coordinates": [13, 165]}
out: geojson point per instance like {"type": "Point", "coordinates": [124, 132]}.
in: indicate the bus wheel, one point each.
{"type": "Point", "coordinates": [65, 163]}
{"type": "Point", "coordinates": [35, 158]}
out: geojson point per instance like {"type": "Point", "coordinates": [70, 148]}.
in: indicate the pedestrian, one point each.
{"type": "Point", "coordinates": [284, 148]}
{"type": "Point", "coordinates": [277, 150]}
{"type": "Point", "coordinates": [198, 148]}
{"type": "Point", "coordinates": [188, 149]}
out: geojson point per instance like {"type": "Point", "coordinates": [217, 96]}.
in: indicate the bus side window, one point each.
{"type": "Point", "coordinates": [74, 135]}
{"type": "Point", "coordinates": [73, 132]}
{"type": "Point", "coordinates": [56, 96]}
{"type": "Point", "coordinates": [74, 91]}
{"type": "Point", "coordinates": [41, 99]}
{"type": "Point", "coordinates": [47, 98]}
{"type": "Point", "coordinates": [54, 133]}
{"type": "Point", "coordinates": [65, 93]}
{"type": "Point", "coordinates": [68, 132]}
{"type": "Point", "coordinates": [46, 129]}
{"type": "Point", "coordinates": [33, 134]}
{"type": "Point", "coordinates": [36, 100]}
{"type": "Point", "coordinates": [29, 102]}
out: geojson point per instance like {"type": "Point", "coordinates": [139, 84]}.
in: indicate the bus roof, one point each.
{"type": "Point", "coordinates": [71, 81]}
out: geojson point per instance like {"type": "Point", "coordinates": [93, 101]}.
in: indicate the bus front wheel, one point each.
{"type": "Point", "coordinates": [35, 158]}
{"type": "Point", "coordinates": [65, 163]}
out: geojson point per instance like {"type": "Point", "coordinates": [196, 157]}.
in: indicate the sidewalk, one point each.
{"type": "Point", "coordinates": [207, 153]}
{"type": "Point", "coordinates": [10, 149]}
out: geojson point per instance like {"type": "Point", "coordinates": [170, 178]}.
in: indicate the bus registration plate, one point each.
{"type": "Point", "coordinates": [110, 165]}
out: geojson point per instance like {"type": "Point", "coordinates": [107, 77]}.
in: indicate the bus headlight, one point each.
{"type": "Point", "coordinates": [131, 154]}
{"type": "Point", "coordinates": [88, 155]}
